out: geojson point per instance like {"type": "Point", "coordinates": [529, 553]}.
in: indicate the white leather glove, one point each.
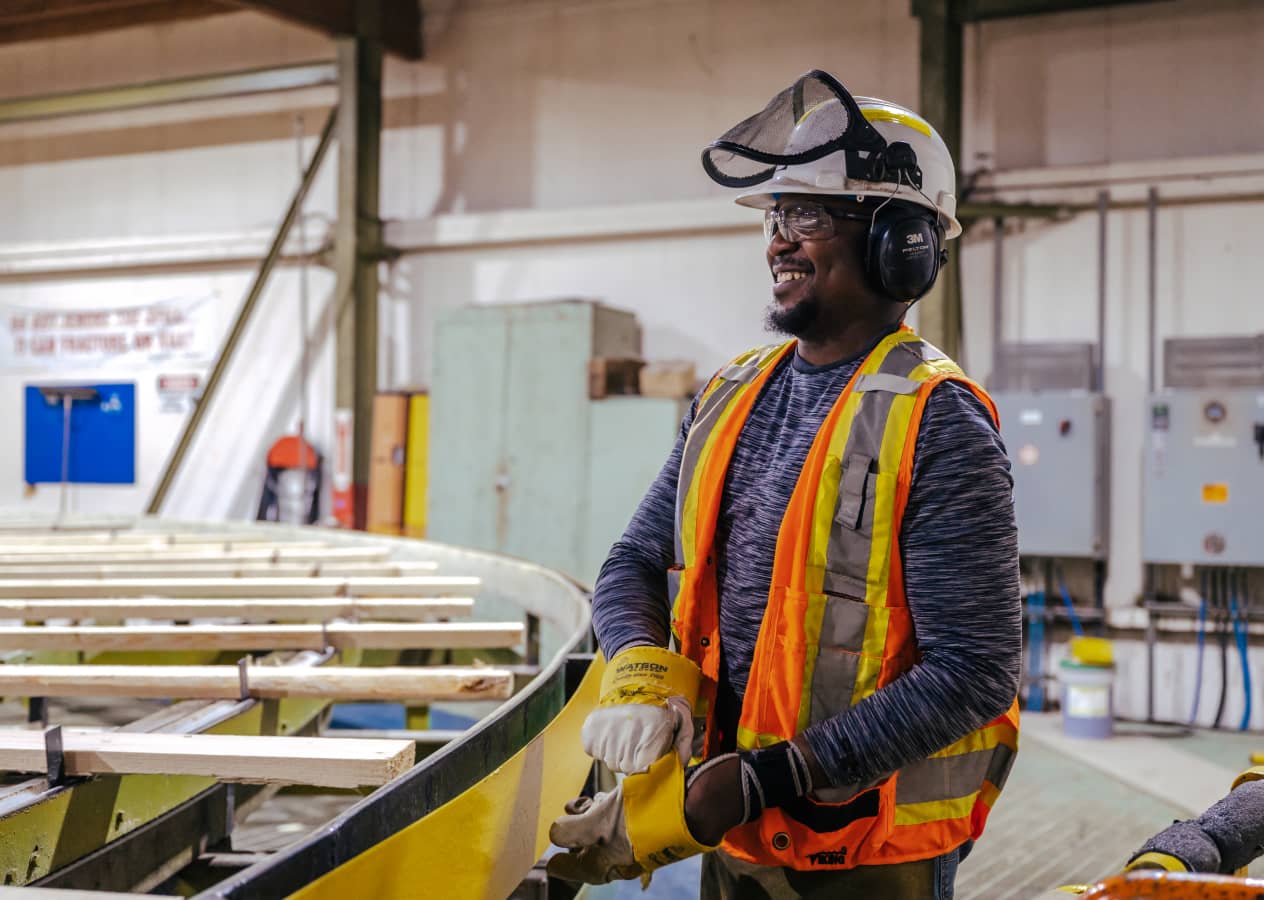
{"type": "Point", "coordinates": [629, 737]}
{"type": "Point", "coordinates": [645, 711]}
{"type": "Point", "coordinates": [596, 832]}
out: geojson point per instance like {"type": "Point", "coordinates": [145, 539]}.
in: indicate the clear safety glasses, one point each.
{"type": "Point", "coordinates": [807, 221]}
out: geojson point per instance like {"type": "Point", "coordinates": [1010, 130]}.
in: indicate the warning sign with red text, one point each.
{"type": "Point", "coordinates": [176, 330]}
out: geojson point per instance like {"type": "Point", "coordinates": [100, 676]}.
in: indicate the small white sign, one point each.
{"type": "Point", "coordinates": [1031, 417]}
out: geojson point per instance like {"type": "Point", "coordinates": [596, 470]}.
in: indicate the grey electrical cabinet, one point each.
{"type": "Point", "coordinates": [522, 461]}
{"type": "Point", "coordinates": [1204, 477]}
{"type": "Point", "coordinates": [1059, 448]}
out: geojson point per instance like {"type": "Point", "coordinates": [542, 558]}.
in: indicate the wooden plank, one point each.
{"type": "Point", "coordinates": [218, 569]}
{"type": "Point", "coordinates": [253, 759]}
{"type": "Point", "coordinates": [190, 553]}
{"type": "Point", "coordinates": [152, 539]}
{"type": "Point", "coordinates": [400, 684]}
{"type": "Point", "coordinates": [250, 610]}
{"type": "Point", "coordinates": [342, 635]}
{"type": "Point", "coordinates": [68, 588]}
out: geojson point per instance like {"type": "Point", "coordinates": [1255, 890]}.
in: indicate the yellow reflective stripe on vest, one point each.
{"type": "Point", "coordinates": [935, 810]}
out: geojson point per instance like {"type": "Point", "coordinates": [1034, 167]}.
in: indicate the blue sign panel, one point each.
{"type": "Point", "coordinates": [102, 434]}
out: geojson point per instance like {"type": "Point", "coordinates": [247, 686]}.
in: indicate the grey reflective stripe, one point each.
{"type": "Point", "coordinates": [833, 680]}
{"type": "Point", "coordinates": [743, 374]}
{"type": "Point", "coordinates": [704, 422]}
{"type": "Point", "coordinates": [893, 384]}
{"type": "Point", "coordinates": [948, 777]}
{"type": "Point", "coordinates": [851, 538]}
{"type": "Point", "coordinates": [1002, 762]}
{"type": "Point", "coordinates": [852, 490]}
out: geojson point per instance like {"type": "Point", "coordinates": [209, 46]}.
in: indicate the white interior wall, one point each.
{"type": "Point", "coordinates": [598, 108]}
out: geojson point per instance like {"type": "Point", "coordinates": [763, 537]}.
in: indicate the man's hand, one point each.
{"type": "Point", "coordinates": [713, 799]}
{"type": "Point", "coordinates": [645, 710]}
{"type": "Point", "coordinates": [735, 788]}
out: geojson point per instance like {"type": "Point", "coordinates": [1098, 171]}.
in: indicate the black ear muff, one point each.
{"type": "Point", "coordinates": [905, 251]}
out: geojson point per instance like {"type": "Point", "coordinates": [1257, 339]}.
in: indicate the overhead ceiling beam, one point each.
{"type": "Point", "coordinates": [400, 20]}
{"type": "Point", "coordinates": [984, 10]}
{"type": "Point", "coordinates": [178, 90]}
{"type": "Point", "coordinates": [33, 20]}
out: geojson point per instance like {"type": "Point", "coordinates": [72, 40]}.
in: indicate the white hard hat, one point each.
{"type": "Point", "coordinates": [810, 141]}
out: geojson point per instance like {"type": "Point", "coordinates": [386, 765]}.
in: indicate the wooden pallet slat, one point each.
{"type": "Point", "coordinates": [216, 569]}
{"type": "Point", "coordinates": [335, 683]}
{"type": "Point", "coordinates": [186, 553]}
{"type": "Point", "coordinates": [341, 635]}
{"type": "Point", "coordinates": [246, 609]}
{"type": "Point", "coordinates": [268, 760]}
{"type": "Point", "coordinates": [406, 586]}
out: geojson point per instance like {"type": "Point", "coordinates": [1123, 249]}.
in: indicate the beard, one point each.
{"type": "Point", "coordinates": [797, 321]}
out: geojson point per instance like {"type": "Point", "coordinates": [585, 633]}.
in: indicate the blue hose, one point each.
{"type": "Point", "coordinates": [1240, 637]}
{"type": "Point", "coordinates": [1066, 598]}
{"type": "Point", "coordinates": [1035, 651]}
{"type": "Point", "coordinates": [1202, 640]}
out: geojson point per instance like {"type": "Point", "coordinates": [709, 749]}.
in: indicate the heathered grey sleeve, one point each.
{"type": "Point", "coordinates": [630, 603]}
{"type": "Point", "coordinates": [960, 555]}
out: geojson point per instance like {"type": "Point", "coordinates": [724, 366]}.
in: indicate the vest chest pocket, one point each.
{"type": "Point", "coordinates": [851, 532]}
{"type": "Point", "coordinates": [843, 624]}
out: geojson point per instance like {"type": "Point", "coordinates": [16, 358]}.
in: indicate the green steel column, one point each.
{"type": "Point", "coordinates": [358, 245]}
{"type": "Point", "coordinates": [940, 319]}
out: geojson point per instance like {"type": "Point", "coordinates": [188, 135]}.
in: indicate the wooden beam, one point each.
{"type": "Point", "coordinates": [341, 635]}
{"type": "Point", "coordinates": [249, 610]}
{"type": "Point", "coordinates": [216, 569]}
{"type": "Point", "coordinates": [400, 684]}
{"type": "Point", "coordinates": [245, 758]}
{"type": "Point", "coordinates": [190, 553]}
{"type": "Point", "coordinates": [154, 539]}
{"type": "Point", "coordinates": [396, 23]}
{"type": "Point", "coordinates": [68, 588]}
{"type": "Point", "coordinates": [35, 20]}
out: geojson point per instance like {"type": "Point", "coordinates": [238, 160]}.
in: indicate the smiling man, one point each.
{"type": "Point", "coordinates": [813, 620]}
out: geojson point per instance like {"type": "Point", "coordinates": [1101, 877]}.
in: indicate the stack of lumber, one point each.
{"type": "Point", "coordinates": [260, 596]}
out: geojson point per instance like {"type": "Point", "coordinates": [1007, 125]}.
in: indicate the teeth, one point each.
{"type": "Point", "coordinates": [783, 277]}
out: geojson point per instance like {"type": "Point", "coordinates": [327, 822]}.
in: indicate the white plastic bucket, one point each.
{"type": "Point", "coordinates": [1087, 707]}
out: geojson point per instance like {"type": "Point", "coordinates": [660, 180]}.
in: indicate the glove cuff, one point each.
{"type": "Point", "coordinates": [654, 815]}
{"type": "Point", "coordinates": [649, 675]}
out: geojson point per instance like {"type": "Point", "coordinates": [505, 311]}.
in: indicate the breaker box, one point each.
{"type": "Point", "coordinates": [1204, 477]}
{"type": "Point", "coordinates": [1059, 448]}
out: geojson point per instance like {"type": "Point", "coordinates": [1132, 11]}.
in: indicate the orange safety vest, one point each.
{"type": "Point", "coordinates": [837, 626]}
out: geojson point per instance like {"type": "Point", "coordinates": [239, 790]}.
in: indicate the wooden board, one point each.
{"type": "Point", "coordinates": [216, 569]}
{"type": "Point", "coordinates": [342, 635]}
{"type": "Point", "coordinates": [400, 684]}
{"type": "Point", "coordinates": [192, 553]}
{"type": "Point", "coordinates": [153, 538]}
{"type": "Point", "coordinates": [410, 586]}
{"type": "Point", "coordinates": [246, 609]}
{"type": "Point", "coordinates": [254, 759]}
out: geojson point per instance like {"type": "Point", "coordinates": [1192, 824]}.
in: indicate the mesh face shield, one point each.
{"type": "Point", "coordinates": [812, 118]}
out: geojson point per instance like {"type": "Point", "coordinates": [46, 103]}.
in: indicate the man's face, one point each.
{"type": "Point", "coordinates": [819, 282]}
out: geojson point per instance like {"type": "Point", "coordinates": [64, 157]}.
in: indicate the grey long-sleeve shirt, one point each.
{"type": "Point", "coordinates": [959, 549]}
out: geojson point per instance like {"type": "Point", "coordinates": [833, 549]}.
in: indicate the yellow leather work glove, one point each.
{"type": "Point", "coordinates": [645, 710]}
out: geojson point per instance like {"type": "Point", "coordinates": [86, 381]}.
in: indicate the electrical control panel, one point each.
{"type": "Point", "coordinates": [1059, 449]}
{"type": "Point", "coordinates": [1204, 477]}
